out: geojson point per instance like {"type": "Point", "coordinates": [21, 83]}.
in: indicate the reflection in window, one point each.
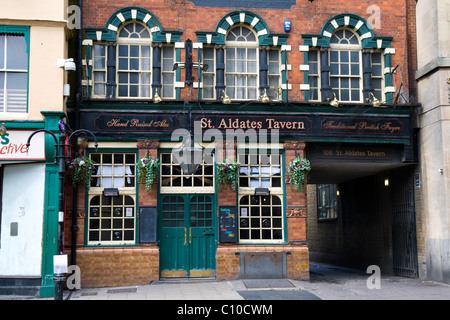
{"type": "Point", "coordinates": [114, 170]}
{"type": "Point", "coordinates": [173, 176]}
{"type": "Point", "coordinates": [260, 171]}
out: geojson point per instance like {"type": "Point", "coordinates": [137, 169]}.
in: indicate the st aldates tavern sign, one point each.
{"type": "Point", "coordinates": [309, 127]}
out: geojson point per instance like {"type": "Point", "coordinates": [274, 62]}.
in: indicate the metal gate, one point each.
{"type": "Point", "coordinates": [404, 242]}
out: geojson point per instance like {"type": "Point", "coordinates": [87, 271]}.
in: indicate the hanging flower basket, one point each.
{"type": "Point", "coordinates": [147, 171]}
{"type": "Point", "coordinates": [227, 174]}
{"type": "Point", "coordinates": [82, 170]}
{"type": "Point", "coordinates": [298, 173]}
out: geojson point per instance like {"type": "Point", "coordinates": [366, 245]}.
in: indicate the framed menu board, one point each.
{"type": "Point", "coordinates": [227, 224]}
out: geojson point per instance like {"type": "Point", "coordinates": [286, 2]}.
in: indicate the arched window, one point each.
{"type": "Point", "coordinates": [241, 64]}
{"type": "Point", "coordinates": [345, 66]}
{"type": "Point", "coordinates": [134, 56]}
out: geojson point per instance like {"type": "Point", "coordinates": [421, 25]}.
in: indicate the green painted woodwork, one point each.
{"type": "Point", "coordinates": [51, 205]}
{"type": "Point", "coordinates": [187, 234]}
{"type": "Point", "coordinates": [143, 15]}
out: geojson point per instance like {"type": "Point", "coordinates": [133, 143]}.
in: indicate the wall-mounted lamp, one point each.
{"type": "Point", "coordinates": [386, 182]}
{"type": "Point", "coordinates": [67, 64]}
{"type": "Point", "coordinates": [375, 102]}
{"type": "Point", "coordinates": [225, 99]}
{"type": "Point", "coordinates": [2, 129]}
{"type": "Point", "coordinates": [334, 102]}
{"type": "Point", "coordinates": [265, 98]}
{"type": "Point", "coordinates": [156, 97]}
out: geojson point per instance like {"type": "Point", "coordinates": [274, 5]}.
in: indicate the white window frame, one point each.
{"type": "Point", "coordinates": [99, 70]}
{"type": "Point", "coordinates": [132, 42]}
{"type": "Point", "coordinates": [5, 92]}
{"type": "Point", "coordinates": [167, 72]}
{"type": "Point", "coordinates": [315, 75]}
{"type": "Point", "coordinates": [347, 48]}
{"type": "Point", "coordinates": [250, 191]}
{"type": "Point", "coordinates": [210, 72]}
{"type": "Point", "coordinates": [96, 189]}
{"type": "Point", "coordinates": [273, 94]}
{"type": "Point", "coordinates": [242, 45]}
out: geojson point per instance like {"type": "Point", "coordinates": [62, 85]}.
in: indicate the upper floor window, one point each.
{"type": "Point", "coordinates": [241, 64]}
{"type": "Point", "coordinates": [346, 64]}
{"type": "Point", "coordinates": [134, 62]}
{"type": "Point", "coordinates": [128, 67]}
{"type": "Point", "coordinates": [13, 73]}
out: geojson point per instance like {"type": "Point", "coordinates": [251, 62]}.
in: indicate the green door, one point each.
{"type": "Point", "coordinates": [187, 239]}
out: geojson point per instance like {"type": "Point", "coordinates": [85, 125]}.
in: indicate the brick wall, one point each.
{"type": "Point", "coordinates": [395, 19]}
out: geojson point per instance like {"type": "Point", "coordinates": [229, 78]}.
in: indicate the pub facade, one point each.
{"type": "Point", "coordinates": [251, 88]}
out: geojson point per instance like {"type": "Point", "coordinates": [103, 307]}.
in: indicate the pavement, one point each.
{"type": "Point", "coordinates": [327, 282]}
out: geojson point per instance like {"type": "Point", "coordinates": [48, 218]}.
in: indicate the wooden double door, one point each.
{"type": "Point", "coordinates": [187, 235]}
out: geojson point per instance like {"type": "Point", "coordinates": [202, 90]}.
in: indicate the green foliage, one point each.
{"type": "Point", "coordinates": [147, 171]}
{"type": "Point", "coordinates": [298, 173]}
{"type": "Point", "coordinates": [228, 174]}
{"type": "Point", "coordinates": [82, 170]}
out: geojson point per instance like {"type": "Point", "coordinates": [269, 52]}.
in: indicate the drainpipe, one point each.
{"type": "Point", "coordinates": [78, 93]}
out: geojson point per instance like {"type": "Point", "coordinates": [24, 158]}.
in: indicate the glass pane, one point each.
{"type": "Point", "coordinates": [2, 51]}
{"type": "Point", "coordinates": [123, 64]}
{"type": "Point", "coordinates": [99, 89]}
{"type": "Point", "coordinates": [123, 51]}
{"type": "Point", "coordinates": [17, 57]}
{"type": "Point", "coordinates": [145, 51]}
{"type": "Point", "coordinates": [99, 63]}
{"type": "Point", "coordinates": [134, 51]}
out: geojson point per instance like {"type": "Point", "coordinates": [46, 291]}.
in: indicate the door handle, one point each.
{"type": "Point", "coordinates": [190, 235]}
{"type": "Point", "coordinates": [185, 232]}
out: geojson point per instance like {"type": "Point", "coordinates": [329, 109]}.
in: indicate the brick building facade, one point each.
{"type": "Point", "coordinates": [334, 51]}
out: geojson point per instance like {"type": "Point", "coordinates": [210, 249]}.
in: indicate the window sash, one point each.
{"type": "Point", "coordinates": [13, 73]}
{"type": "Point", "coordinates": [112, 220]}
{"type": "Point", "coordinates": [261, 219]}
{"type": "Point", "coordinates": [168, 75]}
{"type": "Point", "coordinates": [242, 73]}
{"type": "Point", "coordinates": [208, 77]}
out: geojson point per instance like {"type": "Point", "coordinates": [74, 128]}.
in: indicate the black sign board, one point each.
{"type": "Point", "coordinates": [227, 224]}
{"type": "Point", "coordinates": [147, 224]}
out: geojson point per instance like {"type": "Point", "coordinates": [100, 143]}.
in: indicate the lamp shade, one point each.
{"type": "Point", "coordinates": [188, 157]}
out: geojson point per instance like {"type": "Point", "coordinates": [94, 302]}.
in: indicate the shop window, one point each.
{"type": "Point", "coordinates": [260, 171]}
{"type": "Point", "coordinates": [173, 179]}
{"type": "Point", "coordinates": [13, 69]}
{"type": "Point", "coordinates": [327, 202]}
{"type": "Point", "coordinates": [260, 219]}
{"type": "Point", "coordinates": [114, 170]}
{"type": "Point", "coordinates": [111, 220]}
{"type": "Point", "coordinates": [260, 216]}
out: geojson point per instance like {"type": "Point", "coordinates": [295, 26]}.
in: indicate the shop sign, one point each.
{"type": "Point", "coordinates": [352, 152]}
{"type": "Point", "coordinates": [123, 122]}
{"type": "Point", "coordinates": [13, 146]}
